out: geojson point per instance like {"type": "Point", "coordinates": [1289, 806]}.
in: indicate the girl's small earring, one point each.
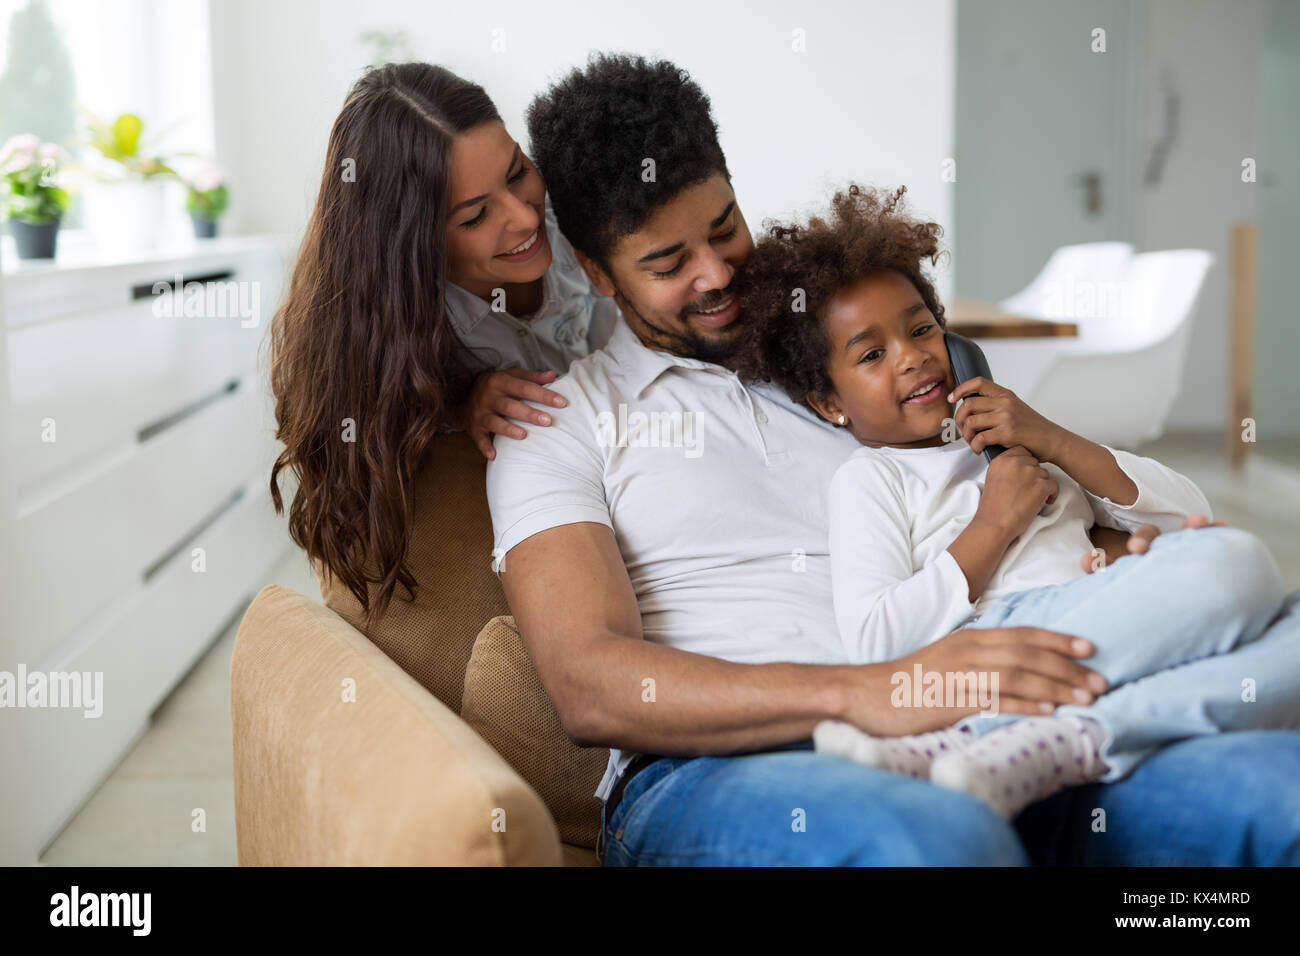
{"type": "Point", "coordinates": [841, 419]}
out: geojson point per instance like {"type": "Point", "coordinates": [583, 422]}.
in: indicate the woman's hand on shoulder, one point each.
{"type": "Point", "coordinates": [498, 397]}
{"type": "Point", "coordinates": [992, 414]}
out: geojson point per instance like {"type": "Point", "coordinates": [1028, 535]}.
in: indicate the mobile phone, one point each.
{"type": "Point", "coordinates": [968, 361]}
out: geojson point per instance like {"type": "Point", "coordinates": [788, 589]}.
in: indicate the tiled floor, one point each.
{"type": "Point", "coordinates": [1285, 451]}
{"type": "Point", "coordinates": [184, 760]}
{"type": "Point", "coordinates": [1263, 497]}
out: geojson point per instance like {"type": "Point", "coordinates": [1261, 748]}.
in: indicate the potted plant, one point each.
{"type": "Point", "coordinates": [34, 201]}
{"type": "Point", "coordinates": [127, 205]}
{"type": "Point", "coordinates": [206, 199]}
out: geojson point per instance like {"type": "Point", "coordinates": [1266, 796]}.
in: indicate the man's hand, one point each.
{"type": "Point", "coordinates": [997, 416]}
{"type": "Point", "coordinates": [497, 396]}
{"type": "Point", "coordinates": [1036, 671]}
{"type": "Point", "coordinates": [1117, 544]}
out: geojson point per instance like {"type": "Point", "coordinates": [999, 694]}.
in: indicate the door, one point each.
{"type": "Point", "coordinates": [1048, 144]}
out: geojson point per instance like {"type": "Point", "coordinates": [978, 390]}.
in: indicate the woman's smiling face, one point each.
{"type": "Point", "coordinates": [888, 364]}
{"type": "Point", "coordinates": [497, 205]}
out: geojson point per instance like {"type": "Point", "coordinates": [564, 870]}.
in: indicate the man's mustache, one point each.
{"type": "Point", "coordinates": [715, 300]}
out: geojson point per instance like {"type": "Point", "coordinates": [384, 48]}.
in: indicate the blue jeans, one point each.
{"type": "Point", "coordinates": [1196, 596]}
{"type": "Point", "coordinates": [1226, 800]}
{"type": "Point", "coordinates": [792, 806]}
{"type": "Point", "coordinates": [1228, 795]}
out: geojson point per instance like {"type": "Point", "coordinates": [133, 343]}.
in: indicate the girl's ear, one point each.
{"type": "Point", "coordinates": [595, 273]}
{"type": "Point", "coordinates": [827, 407]}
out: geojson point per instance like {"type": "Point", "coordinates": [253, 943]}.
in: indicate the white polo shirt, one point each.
{"type": "Point", "coordinates": [716, 493]}
{"type": "Point", "coordinates": [572, 322]}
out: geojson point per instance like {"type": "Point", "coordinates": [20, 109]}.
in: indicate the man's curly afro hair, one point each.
{"type": "Point", "coordinates": [591, 132]}
{"type": "Point", "coordinates": [866, 232]}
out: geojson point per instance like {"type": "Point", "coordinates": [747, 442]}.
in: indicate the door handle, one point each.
{"type": "Point", "coordinates": [1092, 200]}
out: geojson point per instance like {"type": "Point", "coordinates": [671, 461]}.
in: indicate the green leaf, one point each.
{"type": "Point", "coordinates": [209, 205]}
{"type": "Point", "coordinates": [101, 135]}
{"type": "Point", "coordinates": [23, 207]}
{"type": "Point", "coordinates": [126, 130]}
{"type": "Point", "coordinates": [217, 200]}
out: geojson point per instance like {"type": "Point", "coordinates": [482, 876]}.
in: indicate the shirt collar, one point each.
{"type": "Point", "coordinates": [642, 365]}
{"type": "Point", "coordinates": [464, 308]}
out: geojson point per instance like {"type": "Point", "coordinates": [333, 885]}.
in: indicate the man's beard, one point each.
{"type": "Point", "coordinates": [686, 341]}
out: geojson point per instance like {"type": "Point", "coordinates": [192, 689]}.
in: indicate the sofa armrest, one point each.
{"type": "Point", "coordinates": [342, 758]}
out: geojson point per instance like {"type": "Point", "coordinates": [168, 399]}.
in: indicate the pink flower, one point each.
{"type": "Point", "coordinates": [51, 154]}
{"type": "Point", "coordinates": [19, 152]}
{"type": "Point", "coordinates": [208, 177]}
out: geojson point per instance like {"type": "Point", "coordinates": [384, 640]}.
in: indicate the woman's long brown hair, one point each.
{"type": "Point", "coordinates": [362, 355]}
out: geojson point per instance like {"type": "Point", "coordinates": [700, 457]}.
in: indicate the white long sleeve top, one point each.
{"type": "Point", "coordinates": [894, 512]}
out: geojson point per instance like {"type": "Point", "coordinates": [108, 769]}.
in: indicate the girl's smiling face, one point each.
{"type": "Point", "coordinates": [888, 364]}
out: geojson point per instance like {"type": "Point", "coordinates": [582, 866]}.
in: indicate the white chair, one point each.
{"type": "Point", "coordinates": [1118, 381]}
{"type": "Point", "coordinates": [1074, 284]}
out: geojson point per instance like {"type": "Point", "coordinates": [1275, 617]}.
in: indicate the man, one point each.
{"type": "Point", "coordinates": [665, 557]}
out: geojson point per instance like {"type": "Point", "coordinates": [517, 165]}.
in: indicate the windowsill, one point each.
{"type": "Point", "coordinates": [77, 250]}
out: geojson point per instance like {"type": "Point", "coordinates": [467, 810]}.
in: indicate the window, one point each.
{"type": "Point", "coordinates": [149, 57]}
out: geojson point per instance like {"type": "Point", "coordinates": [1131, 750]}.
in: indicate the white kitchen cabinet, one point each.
{"type": "Point", "coordinates": [136, 523]}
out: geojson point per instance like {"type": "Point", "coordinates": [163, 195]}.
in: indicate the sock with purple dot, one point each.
{"type": "Point", "coordinates": [1025, 761]}
{"type": "Point", "coordinates": [910, 756]}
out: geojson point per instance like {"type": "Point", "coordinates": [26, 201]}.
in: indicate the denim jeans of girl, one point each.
{"type": "Point", "coordinates": [1212, 776]}
{"type": "Point", "coordinates": [1195, 596]}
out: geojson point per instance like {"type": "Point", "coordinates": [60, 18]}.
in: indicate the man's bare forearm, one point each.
{"type": "Point", "coordinates": [577, 612]}
{"type": "Point", "coordinates": [656, 699]}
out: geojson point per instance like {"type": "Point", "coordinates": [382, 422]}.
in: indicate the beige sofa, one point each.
{"type": "Point", "coordinates": [430, 741]}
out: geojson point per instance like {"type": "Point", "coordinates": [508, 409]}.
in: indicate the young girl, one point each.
{"type": "Point", "coordinates": [433, 291]}
{"type": "Point", "coordinates": [927, 537]}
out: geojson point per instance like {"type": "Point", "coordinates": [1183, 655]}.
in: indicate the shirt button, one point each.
{"type": "Point", "coordinates": [618, 835]}
{"type": "Point", "coordinates": [762, 419]}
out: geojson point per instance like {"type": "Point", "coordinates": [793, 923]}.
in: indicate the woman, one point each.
{"type": "Point", "coordinates": [433, 290]}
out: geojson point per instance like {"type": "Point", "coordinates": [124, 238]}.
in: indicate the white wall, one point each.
{"type": "Point", "coordinates": [871, 99]}
{"type": "Point", "coordinates": [1210, 51]}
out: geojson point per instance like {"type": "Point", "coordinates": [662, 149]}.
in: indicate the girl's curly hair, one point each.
{"type": "Point", "coordinates": [866, 231]}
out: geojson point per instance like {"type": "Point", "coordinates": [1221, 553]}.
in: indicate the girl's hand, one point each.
{"type": "Point", "coordinates": [497, 396]}
{"type": "Point", "coordinates": [1110, 545]}
{"type": "Point", "coordinates": [1016, 487]}
{"type": "Point", "coordinates": [997, 416]}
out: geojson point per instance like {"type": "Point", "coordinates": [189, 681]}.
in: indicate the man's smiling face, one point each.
{"type": "Point", "coordinates": [675, 277]}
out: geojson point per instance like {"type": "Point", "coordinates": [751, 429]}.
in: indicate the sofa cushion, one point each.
{"type": "Point", "coordinates": [505, 702]}
{"type": "Point", "coordinates": [450, 554]}
{"type": "Point", "coordinates": [342, 759]}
